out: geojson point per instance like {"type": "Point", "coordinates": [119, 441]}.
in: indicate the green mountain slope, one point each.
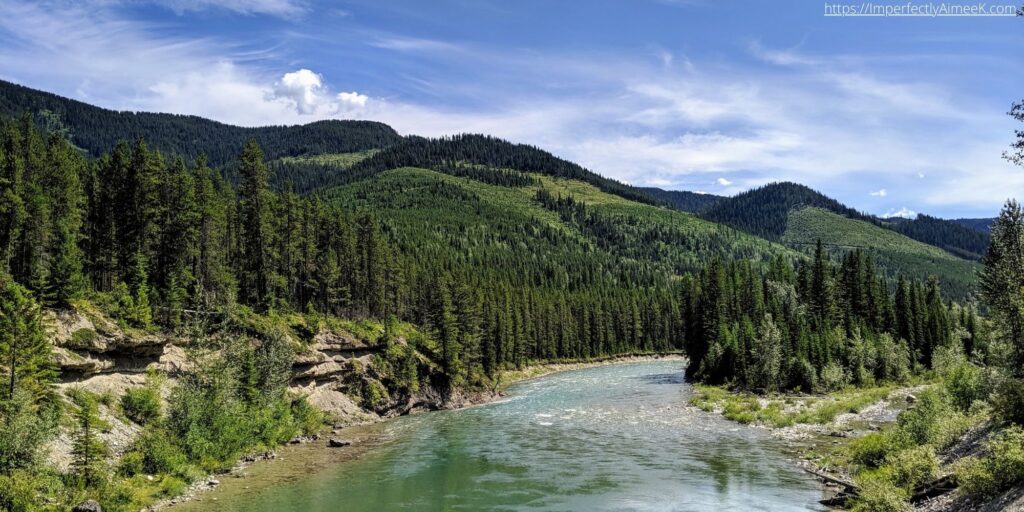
{"type": "Point", "coordinates": [682, 199]}
{"type": "Point", "coordinates": [893, 252]}
{"type": "Point", "coordinates": [764, 211]}
{"type": "Point", "coordinates": [98, 129]}
{"type": "Point", "coordinates": [954, 237]}
{"type": "Point", "coordinates": [507, 230]}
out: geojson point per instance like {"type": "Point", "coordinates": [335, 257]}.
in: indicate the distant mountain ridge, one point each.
{"type": "Point", "coordinates": [327, 154]}
{"type": "Point", "coordinates": [683, 200]}
{"type": "Point", "coordinates": [764, 211]}
{"type": "Point", "coordinates": [97, 129]}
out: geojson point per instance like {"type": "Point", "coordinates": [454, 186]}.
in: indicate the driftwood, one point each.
{"type": "Point", "coordinates": [848, 487]}
{"type": "Point", "coordinates": [936, 487]}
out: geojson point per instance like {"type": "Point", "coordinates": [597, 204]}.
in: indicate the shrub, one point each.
{"type": "Point", "coordinates": [19, 492]}
{"type": "Point", "coordinates": [141, 405]}
{"type": "Point", "coordinates": [913, 466]}
{"type": "Point", "coordinates": [1008, 402]}
{"type": "Point", "coordinates": [933, 420]}
{"type": "Point", "coordinates": [833, 377]}
{"type": "Point", "coordinates": [1000, 469]}
{"type": "Point", "coordinates": [154, 453]}
{"type": "Point", "coordinates": [307, 418]}
{"type": "Point", "coordinates": [873, 449]}
{"type": "Point", "coordinates": [84, 337]}
{"type": "Point", "coordinates": [965, 384]}
{"type": "Point", "coordinates": [879, 494]}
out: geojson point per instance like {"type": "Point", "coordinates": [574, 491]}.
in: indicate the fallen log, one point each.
{"type": "Point", "coordinates": [848, 487]}
{"type": "Point", "coordinates": [936, 487]}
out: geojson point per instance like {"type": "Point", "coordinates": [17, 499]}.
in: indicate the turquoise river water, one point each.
{"type": "Point", "coordinates": [615, 437]}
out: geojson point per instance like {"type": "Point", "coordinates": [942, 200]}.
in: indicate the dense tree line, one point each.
{"type": "Point", "coordinates": [683, 200]}
{"type": "Point", "coordinates": [97, 129]}
{"type": "Point", "coordinates": [816, 327]}
{"type": "Point", "coordinates": [764, 212]}
{"type": "Point", "coordinates": [483, 150]}
{"type": "Point", "coordinates": [156, 239]}
{"type": "Point", "coordinates": [952, 236]}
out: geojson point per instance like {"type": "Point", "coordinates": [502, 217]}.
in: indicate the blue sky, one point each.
{"type": "Point", "coordinates": [885, 114]}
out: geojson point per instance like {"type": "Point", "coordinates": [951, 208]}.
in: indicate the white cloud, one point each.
{"type": "Point", "coordinates": [282, 8]}
{"type": "Point", "coordinates": [902, 213]}
{"type": "Point", "coordinates": [823, 122]}
{"type": "Point", "coordinates": [303, 88]}
{"type": "Point", "coordinates": [880, 193]}
{"type": "Point", "coordinates": [352, 99]}
{"type": "Point", "coordinates": [723, 182]}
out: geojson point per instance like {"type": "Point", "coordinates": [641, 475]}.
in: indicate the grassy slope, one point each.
{"type": "Point", "coordinates": [496, 219]}
{"type": "Point", "coordinates": [892, 251]}
{"type": "Point", "coordinates": [339, 160]}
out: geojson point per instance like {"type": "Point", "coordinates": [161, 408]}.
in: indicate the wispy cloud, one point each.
{"type": "Point", "coordinates": [664, 118]}
{"type": "Point", "coordinates": [282, 8]}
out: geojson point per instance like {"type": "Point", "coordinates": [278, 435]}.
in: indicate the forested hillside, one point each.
{"type": "Point", "coordinates": [764, 211]}
{"type": "Point", "coordinates": [97, 130]}
{"type": "Point", "coordinates": [954, 237]}
{"type": "Point", "coordinates": [894, 253]}
{"type": "Point", "coordinates": [683, 200]}
{"type": "Point", "coordinates": [983, 224]}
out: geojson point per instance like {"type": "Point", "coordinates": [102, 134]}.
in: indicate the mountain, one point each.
{"type": "Point", "coordinates": [764, 211]}
{"type": "Point", "coordinates": [894, 253]}
{"type": "Point", "coordinates": [952, 236]}
{"type": "Point", "coordinates": [621, 229]}
{"type": "Point", "coordinates": [96, 129]}
{"type": "Point", "coordinates": [983, 225]}
{"type": "Point", "coordinates": [682, 200]}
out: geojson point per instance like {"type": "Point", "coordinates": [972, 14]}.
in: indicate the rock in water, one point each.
{"type": "Point", "coordinates": [334, 442]}
{"type": "Point", "coordinates": [88, 506]}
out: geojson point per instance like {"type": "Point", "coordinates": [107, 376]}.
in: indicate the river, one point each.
{"type": "Point", "coordinates": [615, 437]}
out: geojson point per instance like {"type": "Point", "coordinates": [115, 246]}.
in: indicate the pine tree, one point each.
{"type": "Point", "coordinates": [1002, 279]}
{"type": "Point", "coordinates": [254, 215]}
{"type": "Point", "coordinates": [66, 277]}
{"type": "Point", "coordinates": [87, 450]}
{"type": "Point", "coordinates": [25, 351]}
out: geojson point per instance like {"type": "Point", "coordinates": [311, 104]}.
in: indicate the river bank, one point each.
{"type": "Point", "coordinates": [601, 437]}
{"type": "Point", "coordinates": [363, 436]}
{"type": "Point", "coordinates": [857, 443]}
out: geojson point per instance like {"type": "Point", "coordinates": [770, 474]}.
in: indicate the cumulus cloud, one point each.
{"type": "Point", "coordinates": [723, 182]}
{"type": "Point", "coordinates": [303, 88]}
{"type": "Point", "coordinates": [902, 213]}
{"type": "Point", "coordinates": [352, 99]}
{"type": "Point", "coordinates": [880, 193]}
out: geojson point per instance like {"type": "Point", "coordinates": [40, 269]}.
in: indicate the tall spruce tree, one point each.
{"type": "Point", "coordinates": [254, 218]}
{"type": "Point", "coordinates": [1002, 279]}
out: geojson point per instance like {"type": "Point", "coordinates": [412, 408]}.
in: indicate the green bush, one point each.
{"type": "Point", "coordinates": [83, 337]}
{"type": "Point", "coordinates": [965, 385]}
{"type": "Point", "coordinates": [913, 466]}
{"type": "Point", "coordinates": [307, 418]}
{"type": "Point", "coordinates": [933, 420]}
{"type": "Point", "coordinates": [159, 454]}
{"type": "Point", "coordinates": [1008, 402]}
{"type": "Point", "coordinates": [19, 492]}
{"type": "Point", "coordinates": [142, 405]}
{"type": "Point", "coordinates": [1001, 468]}
{"type": "Point", "coordinates": [873, 449]}
{"type": "Point", "coordinates": [879, 494]}
{"type": "Point", "coordinates": [833, 377]}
